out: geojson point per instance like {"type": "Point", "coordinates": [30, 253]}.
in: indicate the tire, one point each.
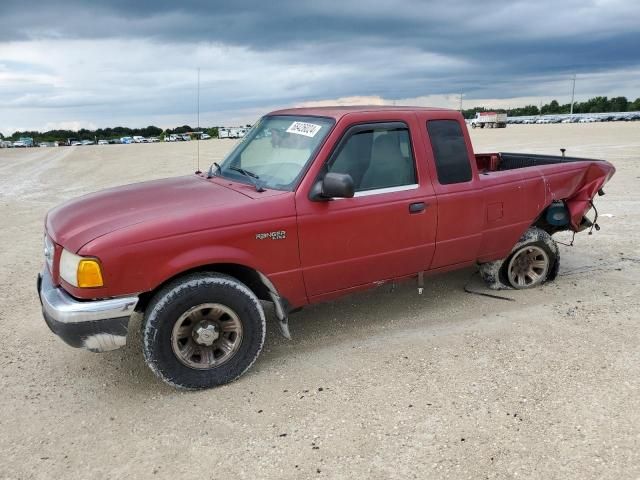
{"type": "Point", "coordinates": [473, 125]}
{"type": "Point", "coordinates": [224, 312]}
{"type": "Point", "coordinates": [536, 244]}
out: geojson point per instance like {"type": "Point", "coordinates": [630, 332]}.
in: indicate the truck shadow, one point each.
{"type": "Point", "coordinates": [350, 320]}
{"type": "Point", "coordinates": [358, 316]}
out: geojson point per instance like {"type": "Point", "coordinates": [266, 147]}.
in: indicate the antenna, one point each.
{"type": "Point", "coordinates": [198, 132]}
{"type": "Point", "coordinates": [573, 91]}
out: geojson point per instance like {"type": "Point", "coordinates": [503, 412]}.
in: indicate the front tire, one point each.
{"type": "Point", "coordinates": [203, 330]}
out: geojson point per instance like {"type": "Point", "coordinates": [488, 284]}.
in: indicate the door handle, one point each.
{"type": "Point", "coordinates": [417, 207]}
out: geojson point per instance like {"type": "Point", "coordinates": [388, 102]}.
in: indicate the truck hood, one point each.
{"type": "Point", "coordinates": [81, 220]}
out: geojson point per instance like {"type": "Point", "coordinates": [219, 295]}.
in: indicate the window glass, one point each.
{"type": "Point", "coordinates": [376, 158]}
{"type": "Point", "coordinates": [276, 151]}
{"type": "Point", "coordinates": [449, 151]}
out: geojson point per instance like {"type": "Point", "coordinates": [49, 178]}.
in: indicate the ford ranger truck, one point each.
{"type": "Point", "coordinates": [312, 204]}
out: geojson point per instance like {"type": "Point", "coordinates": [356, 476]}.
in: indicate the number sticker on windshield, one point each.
{"type": "Point", "coordinates": [303, 128]}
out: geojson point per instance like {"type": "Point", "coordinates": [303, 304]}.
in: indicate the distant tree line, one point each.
{"type": "Point", "coordinates": [593, 105]}
{"type": "Point", "coordinates": [107, 133]}
{"type": "Point", "coordinates": [84, 134]}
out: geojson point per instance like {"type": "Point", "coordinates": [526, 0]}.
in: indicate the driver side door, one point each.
{"type": "Point", "coordinates": [387, 230]}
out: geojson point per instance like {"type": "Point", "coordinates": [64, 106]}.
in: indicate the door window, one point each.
{"type": "Point", "coordinates": [449, 151]}
{"type": "Point", "coordinates": [376, 157]}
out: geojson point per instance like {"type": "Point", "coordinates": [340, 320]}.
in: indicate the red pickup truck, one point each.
{"type": "Point", "coordinates": [312, 204]}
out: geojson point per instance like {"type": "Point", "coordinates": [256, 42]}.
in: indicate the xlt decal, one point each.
{"type": "Point", "coordinates": [279, 235]}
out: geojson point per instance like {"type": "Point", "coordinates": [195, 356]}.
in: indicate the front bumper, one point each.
{"type": "Point", "coordinates": [96, 325]}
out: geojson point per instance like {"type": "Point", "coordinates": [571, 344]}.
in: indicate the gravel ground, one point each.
{"type": "Point", "coordinates": [383, 384]}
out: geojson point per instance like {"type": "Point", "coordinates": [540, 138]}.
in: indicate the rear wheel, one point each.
{"type": "Point", "coordinates": [203, 330]}
{"type": "Point", "coordinates": [528, 267]}
{"type": "Point", "coordinates": [535, 259]}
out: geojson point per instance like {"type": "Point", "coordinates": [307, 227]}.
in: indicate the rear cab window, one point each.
{"type": "Point", "coordinates": [449, 151]}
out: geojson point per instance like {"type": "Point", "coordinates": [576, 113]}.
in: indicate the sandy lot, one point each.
{"type": "Point", "coordinates": [384, 384]}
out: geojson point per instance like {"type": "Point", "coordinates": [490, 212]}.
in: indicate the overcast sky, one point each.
{"type": "Point", "coordinates": [71, 64]}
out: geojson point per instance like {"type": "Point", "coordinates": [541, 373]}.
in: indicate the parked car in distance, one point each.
{"type": "Point", "coordinates": [205, 136]}
{"type": "Point", "coordinates": [153, 140]}
{"type": "Point", "coordinates": [23, 142]}
{"type": "Point", "coordinates": [126, 140]}
{"type": "Point", "coordinates": [331, 201]}
{"type": "Point", "coordinates": [103, 142]}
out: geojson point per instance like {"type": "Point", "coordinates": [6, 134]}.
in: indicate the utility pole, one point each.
{"type": "Point", "coordinates": [461, 102]}
{"type": "Point", "coordinates": [573, 91]}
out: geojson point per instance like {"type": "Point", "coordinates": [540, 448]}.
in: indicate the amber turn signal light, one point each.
{"type": "Point", "coordinates": [89, 274]}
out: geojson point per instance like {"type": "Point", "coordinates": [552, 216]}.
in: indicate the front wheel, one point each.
{"type": "Point", "coordinates": [203, 330]}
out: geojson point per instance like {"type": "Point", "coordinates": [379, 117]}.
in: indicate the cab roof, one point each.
{"type": "Point", "coordinates": [339, 111]}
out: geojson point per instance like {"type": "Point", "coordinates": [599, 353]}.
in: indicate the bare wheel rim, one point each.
{"type": "Point", "coordinates": [528, 267]}
{"type": "Point", "coordinates": [206, 336]}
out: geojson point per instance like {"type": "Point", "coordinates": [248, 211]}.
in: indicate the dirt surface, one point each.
{"type": "Point", "coordinates": [384, 384]}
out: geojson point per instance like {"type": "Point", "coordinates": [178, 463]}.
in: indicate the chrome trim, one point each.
{"type": "Point", "coordinates": [49, 251]}
{"type": "Point", "coordinates": [401, 188]}
{"type": "Point", "coordinates": [63, 308]}
{"type": "Point", "coordinates": [379, 191]}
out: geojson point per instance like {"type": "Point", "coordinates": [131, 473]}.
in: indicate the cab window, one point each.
{"type": "Point", "coordinates": [449, 151]}
{"type": "Point", "coordinates": [376, 157]}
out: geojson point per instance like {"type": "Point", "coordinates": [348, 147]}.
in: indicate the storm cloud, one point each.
{"type": "Point", "coordinates": [134, 63]}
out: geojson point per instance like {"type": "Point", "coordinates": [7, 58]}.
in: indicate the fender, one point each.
{"type": "Point", "coordinates": [223, 255]}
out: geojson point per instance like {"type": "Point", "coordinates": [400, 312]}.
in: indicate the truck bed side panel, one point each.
{"type": "Point", "coordinates": [513, 200]}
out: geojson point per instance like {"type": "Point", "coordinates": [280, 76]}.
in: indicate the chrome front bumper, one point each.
{"type": "Point", "coordinates": [97, 325]}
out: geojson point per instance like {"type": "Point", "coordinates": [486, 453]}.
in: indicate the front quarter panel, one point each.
{"type": "Point", "coordinates": [262, 236]}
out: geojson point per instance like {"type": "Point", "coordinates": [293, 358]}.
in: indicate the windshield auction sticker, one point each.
{"type": "Point", "coordinates": [306, 129]}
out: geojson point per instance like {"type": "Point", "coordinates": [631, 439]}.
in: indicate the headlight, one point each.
{"type": "Point", "coordinates": [80, 271]}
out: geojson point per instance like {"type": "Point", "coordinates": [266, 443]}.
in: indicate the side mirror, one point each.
{"type": "Point", "coordinates": [333, 185]}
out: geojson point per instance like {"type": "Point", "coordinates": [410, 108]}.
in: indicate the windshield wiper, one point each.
{"type": "Point", "coordinates": [210, 172]}
{"type": "Point", "coordinates": [253, 178]}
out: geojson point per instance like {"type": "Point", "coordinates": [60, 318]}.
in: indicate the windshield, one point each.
{"type": "Point", "coordinates": [275, 152]}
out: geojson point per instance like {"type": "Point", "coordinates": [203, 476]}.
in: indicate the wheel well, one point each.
{"type": "Point", "coordinates": [246, 275]}
{"type": "Point", "coordinates": [542, 223]}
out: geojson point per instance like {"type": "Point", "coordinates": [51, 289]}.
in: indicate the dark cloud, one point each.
{"type": "Point", "coordinates": [395, 49]}
{"type": "Point", "coordinates": [532, 36]}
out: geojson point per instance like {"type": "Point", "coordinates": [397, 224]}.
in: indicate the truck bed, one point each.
{"type": "Point", "coordinates": [492, 162]}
